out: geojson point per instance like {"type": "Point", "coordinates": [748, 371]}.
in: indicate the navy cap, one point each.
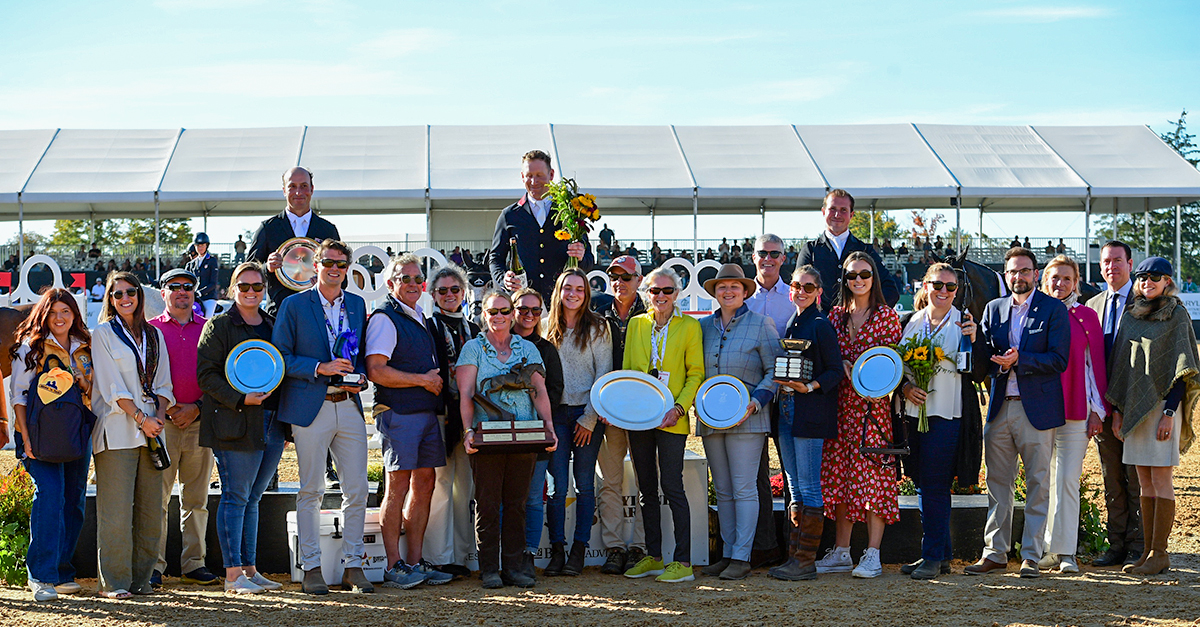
{"type": "Point", "coordinates": [1154, 265]}
{"type": "Point", "coordinates": [176, 273]}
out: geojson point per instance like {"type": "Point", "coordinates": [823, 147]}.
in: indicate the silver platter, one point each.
{"type": "Point", "coordinates": [632, 400]}
{"type": "Point", "coordinates": [877, 372]}
{"type": "Point", "coordinates": [721, 401]}
{"type": "Point", "coordinates": [299, 255]}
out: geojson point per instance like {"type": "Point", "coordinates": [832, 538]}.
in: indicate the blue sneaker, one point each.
{"type": "Point", "coordinates": [403, 576]}
{"type": "Point", "coordinates": [433, 577]}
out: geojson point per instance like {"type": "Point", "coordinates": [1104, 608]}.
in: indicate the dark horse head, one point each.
{"type": "Point", "coordinates": [982, 284]}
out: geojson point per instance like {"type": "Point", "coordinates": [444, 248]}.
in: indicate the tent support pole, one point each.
{"type": "Point", "coordinates": [980, 233]}
{"type": "Point", "coordinates": [1087, 236]}
{"type": "Point", "coordinates": [652, 235]}
{"type": "Point", "coordinates": [92, 230]}
{"type": "Point", "coordinates": [1146, 225]}
{"type": "Point", "coordinates": [157, 253]}
{"type": "Point", "coordinates": [762, 212]}
{"type": "Point", "coordinates": [872, 222]}
{"type": "Point", "coordinates": [1114, 218]}
{"type": "Point", "coordinates": [20, 232]}
{"type": "Point", "coordinates": [1178, 235]}
{"type": "Point", "coordinates": [958, 222]}
{"type": "Point", "coordinates": [428, 223]}
{"type": "Point", "coordinates": [695, 219]}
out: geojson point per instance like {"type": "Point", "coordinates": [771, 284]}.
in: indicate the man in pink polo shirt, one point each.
{"type": "Point", "coordinates": [192, 463]}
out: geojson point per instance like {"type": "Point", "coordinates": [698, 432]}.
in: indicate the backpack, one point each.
{"type": "Point", "coordinates": [58, 431]}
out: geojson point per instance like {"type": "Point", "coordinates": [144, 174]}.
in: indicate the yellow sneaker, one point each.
{"type": "Point", "coordinates": [675, 573]}
{"type": "Point", "coordinates": [646, 567]}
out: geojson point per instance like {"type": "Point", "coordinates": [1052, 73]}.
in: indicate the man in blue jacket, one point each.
{"type": "Point", "coordinates": [319, 398]}
{"type": "Point", "coordinates": [832, 246]}
{"type": "Point", "coordinates": [1029, 336]}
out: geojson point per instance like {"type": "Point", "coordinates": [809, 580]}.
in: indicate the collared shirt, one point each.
{"type": "Point", "coordinates": [480, 353]}
{"type": "Point", "coordinates": [1016, 329]}
{"type": "Point", "coordinates": [381, 333]}
{"type": "Point", "coordinates": [774, 302]}
{"type": "Point", "coordinates": [1112, 323]}
{"type": "Point", "coordinates": [181, 343]}
{"type": "Point", "coordinates": [22, 377]}
{"type": "Point", "coordinates": [299, 223]}
{"type": "Point", "coordinates": [333, 313]}
{"type": "Point", "coordinates": [838, 241]}
{"type": "Point", "coordinates": [540, 209]}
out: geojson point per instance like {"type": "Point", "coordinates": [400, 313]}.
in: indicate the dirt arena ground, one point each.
{"type": "Point", "coordinates": [1093, 597]}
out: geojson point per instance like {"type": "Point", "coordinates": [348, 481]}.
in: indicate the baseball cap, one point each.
{"type": "Point", "coordinates": [626, 263]}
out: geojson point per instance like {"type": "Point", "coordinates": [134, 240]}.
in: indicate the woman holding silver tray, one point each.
{"type": "Point", "coordinates": [585, 346]}
{"type": "Point", "coordinates": [854, 488]}
{"type": "Point", "coordinates": [501, 479]}
{"type": "Point", "coordinates": [668, 345]}
{"type": "Point", "coordinates": [807, 417]}
{"type": "Point", "coordinates": [240, 428]}
{"type": "Point", "coordinates": [743, 344]}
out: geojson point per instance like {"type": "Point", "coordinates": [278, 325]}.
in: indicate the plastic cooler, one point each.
{"type": "Point", "coordinates": [374, 564]}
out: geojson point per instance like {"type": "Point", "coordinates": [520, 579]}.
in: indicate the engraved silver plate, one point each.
{"type": "Point", "coordinates": [632, 400]}
{"type": "Point", "coordinates": [721, 401]}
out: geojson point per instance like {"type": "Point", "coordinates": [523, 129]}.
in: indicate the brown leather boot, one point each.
{"type": "Point", "coordinates": [354, 580]}
{"type": "Point", "coordinates": [790, 569]}
{"type": "Point", "coordinates": [1148, 503]}
{"type": "Point", "coordinates": [1164, 519]}
{"type": "Point", "coordinates": [805, 539]}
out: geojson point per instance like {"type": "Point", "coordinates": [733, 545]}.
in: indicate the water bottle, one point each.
{"type": "Point", "coordinates": [964, 360]}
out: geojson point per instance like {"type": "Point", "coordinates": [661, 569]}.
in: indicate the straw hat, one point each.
{"type": "Point", "coordinates": [730, 271]}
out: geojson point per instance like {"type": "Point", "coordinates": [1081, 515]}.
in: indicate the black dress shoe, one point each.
{"type": "Point", "coordinates": [1110, 558]}
{"type": "Point", "coordinates": [1133, 556]}
{"type": "Point", "coordinates": [454, 570]}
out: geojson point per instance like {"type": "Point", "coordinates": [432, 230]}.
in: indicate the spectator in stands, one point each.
{"type": "Point", "coordinates": [456, 256]}
{"type": "Point", "coordinates": [632, 251]}
{"type": "Point", "coordinates": [1050, 248]}
{"type": "Point", "coordinates": [80, 255]}
{"type": "Point", "coordinates": [1189, 287]}
{"type": "Point", "coordinates": [127, 267]}
{"type": "Point", "coordinates": [926, 246]}
{"type": "Point", "coordinates": [938, 245]}
{"type": "Point", "coordinates": [723, 248]}
{"type": "Point", "coordinates": [98, 290]}
{"type": "Point", "coordinates": [11, 264]}
{"type": "Point", "coordinates": [709, 254]}
{"type": "Point", "coordinates": [903, 250]}
{"type": "Point", "coordinates": [655, 251]}
{"type": "Point", "coordinates": [112, 266]}
{"type": "Point", "coordinates": [736, 255]}
{"type": "Point", "coordinates": [607, 236]}
{"type": "Point", "coordinates": [1026, 242]}
{"type": "Point", "coordinates": [239, 251]}
{"type": "Point", "coordinates": [887, 247]}
{"type": "Point", "coordinates": [94, 252]}
{"type": "Point", "coordinates": [1016, 242]}
{"type": "Point", "coordinates": [875, 243]}
{"type": "Point", "coordinates": [602, 254]}
{"type": "Point", "coordinates": [1062, 247]}
{"type": "Point", "coordinates": [791, 254]}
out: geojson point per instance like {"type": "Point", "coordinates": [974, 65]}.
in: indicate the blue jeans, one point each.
{"type": "Point", "coordinates": [801, 459]}
{"type": "Point", "coordinates": [56, 517]}
{"type": "Point", "coordinates": [936, 469]}
{"type": "Point", "coordinates": [584, 475]}
{"type": "Point", "coordinates": [535, 506]}
{"type": "Point", "coordinates": [244, 477]}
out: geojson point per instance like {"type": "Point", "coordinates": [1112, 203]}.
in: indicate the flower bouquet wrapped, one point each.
{"type": "Point", "coordinates": [922, 357]}
{"type": "Point", "coordinates": [573, 212]}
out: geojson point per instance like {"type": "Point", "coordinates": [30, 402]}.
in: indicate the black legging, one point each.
{"type": "Point", "coordinates": [656, 455]}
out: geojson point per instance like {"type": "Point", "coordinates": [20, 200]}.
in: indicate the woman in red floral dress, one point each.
{"type": "Point", "coordinates": [855, 488]}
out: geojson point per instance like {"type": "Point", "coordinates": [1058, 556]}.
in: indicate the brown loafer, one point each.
{"type": "Point", "coordinates": [354, 580]}
{"type": "Point", "coordinates": [314, 582]}
{"type": "Point", "coordinates": [985, 566]}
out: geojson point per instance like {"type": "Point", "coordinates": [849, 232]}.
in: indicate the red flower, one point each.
{"type": "Point", "coordinates": [778, 485]}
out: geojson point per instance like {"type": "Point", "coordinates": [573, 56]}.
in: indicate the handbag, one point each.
{"type": "Point", "coordinates": [59, 430]}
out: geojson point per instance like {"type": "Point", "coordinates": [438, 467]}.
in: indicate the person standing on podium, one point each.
{"type": "Point", "coordinates": [528, 221]}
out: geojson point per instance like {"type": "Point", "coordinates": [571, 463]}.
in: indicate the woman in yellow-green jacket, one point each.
{"type": "Point", "coordinates": [670, 346]}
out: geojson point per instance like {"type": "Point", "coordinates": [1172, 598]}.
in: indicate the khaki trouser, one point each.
{"type": "Point", "coordinates": [612, 505]}
{"type": "Point", "coordinates": [1008, 436]}
{"type": "Point", "coordinates": [193, 465]}
{"type": "Point", "coordinates": [128, 521]}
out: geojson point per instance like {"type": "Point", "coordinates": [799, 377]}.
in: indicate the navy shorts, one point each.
{"type": "Point", "coordinates": [411, 441]}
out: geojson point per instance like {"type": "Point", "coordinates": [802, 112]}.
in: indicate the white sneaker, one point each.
{"type": "Point", "coordinates": [869, 566]}
{"type": "Point", "coordinates": [241, 586]}
{"type": "Point", "coordinates": [264, 583]}
{"type": "Point", "coordinates": [42, 591]}
{"type": "Point", "coordinates": [1068, 564]}
{"type": "Point", "coordinates": [836, 560]}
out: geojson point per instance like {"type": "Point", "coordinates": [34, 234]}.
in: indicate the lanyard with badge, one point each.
{"type": "Point", "coordinates": [333, 333]}
{"type": "Point", "coordinates": [658, 352]}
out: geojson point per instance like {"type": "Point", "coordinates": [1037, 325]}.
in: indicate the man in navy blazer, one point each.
{"type": "Point", "coordinates": [325, 411]}
{"type": "Point", "coordinates": [1029, 336]}
{"type": "Point", "coordinates": [828, 252]}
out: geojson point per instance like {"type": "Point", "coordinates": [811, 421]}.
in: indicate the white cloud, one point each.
{"type": "Point", "coordinates": [394, 44]}
{"type": "Point", "coordinates": [1044, 13]}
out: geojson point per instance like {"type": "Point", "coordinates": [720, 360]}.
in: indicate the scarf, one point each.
{"type": "Point", "coordinates": [1154, 348]}
{"type": "Point", "coordinates": [146, 372]}
{"type": "Point", "coordinates": [1070, 301]}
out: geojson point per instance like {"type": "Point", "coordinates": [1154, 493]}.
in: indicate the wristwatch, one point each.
{"type": "Point", "coordinates": [1169, 412]}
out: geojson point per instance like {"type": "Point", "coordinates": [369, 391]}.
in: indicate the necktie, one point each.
{"type": "Point", "coordinates": [1111, 324]}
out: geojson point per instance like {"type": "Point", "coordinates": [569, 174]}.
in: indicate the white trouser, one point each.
{"type": "Point", "coordinates": [449, 543]}
{"type": "Point", "coordinates": [612, 505]}
{"type": "Point", "coordinates": [1006, 437]}
{"type": "Point", "coordinates": [209, 307]}
{"type": "Point", "coordinates": [1070, 447]}
{"type": "Point", "coordinates": [339, 428]}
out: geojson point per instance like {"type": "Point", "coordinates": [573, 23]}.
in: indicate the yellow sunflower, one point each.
{"type": "Point", "coordinates": [921, 353]}
{"type": "Point", "coordinates": [562, 234]}
{"type": "Point", "coordinates": [939, 353]}
{"type": "Point", "coordinates": [576, 204]}
{"type": "Point", "coordinates": [908, 355]}
{"type": "Point", "coordinates": [587, 200]}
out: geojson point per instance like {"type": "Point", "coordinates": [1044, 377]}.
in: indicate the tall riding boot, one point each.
{"type": "Point", "coordinates": [805, 539]}
{"type": "Point", "coordinates": [1164, 519]}
{"type": "Point", "coordinates": [791, 568]}
{"type": "Point", "coordinates": [1148, 504]}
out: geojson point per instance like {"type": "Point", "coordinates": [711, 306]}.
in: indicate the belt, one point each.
{"type": "Point", "coordinates": [337, 397]}
{"type": "Point", "coordinates": [1012, 398]}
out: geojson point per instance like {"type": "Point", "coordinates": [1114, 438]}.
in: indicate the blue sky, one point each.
{"type": "Point", "coordinates": [216, 63]}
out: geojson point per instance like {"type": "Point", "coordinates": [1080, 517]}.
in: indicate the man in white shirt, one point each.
{"type": "Point", "coordinates": [828, 252]}
{"type": "Point", "coordinates": [1121, 488]}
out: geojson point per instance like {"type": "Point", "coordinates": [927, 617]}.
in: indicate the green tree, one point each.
{"type": "Point", "coordinates": [1131, 228]}
{"type": "Point", "coordinates": [170, 231]}
{"type": "Point", "coordinates": [885, 227]}
{"type": "Point", "coordinates": [124, 230]}
{"type": "Point", "coordinates": [75, 232]}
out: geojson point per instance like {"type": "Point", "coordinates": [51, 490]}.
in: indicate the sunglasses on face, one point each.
{"type": "Point", "coordinates": [121, 294]}
{"type": "Point", "coordinates": [862, 274]}
{"type": "Point", "coordinates": [623, 277]}
{"type": "Point", "coordinates": [175, 287]}
{"type": "Point", "coordinates": [340, 264]}
{"type": "Point", "coordinates": [773, 254]}
{"type": "Point", "coordinates": [505, 311]}
{"type": "Point", "coordinates": [661, 290]}
{"type": "Point", "coordinates": [415, 278]}
{"type": "Point", "coordinates": [246, 287]}
{"type": "Point", "coordinates": [529, 311]}
{"type": "Point", "coordinates": [938, 285]}
{"type": "Point", "coordinates": [1151, 276]}
{"type": "Point", "coordinates": [807, 288]}
{"type": "Point", "coordinates": [453, 289]}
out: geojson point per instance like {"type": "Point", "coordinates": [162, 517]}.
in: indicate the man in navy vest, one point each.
{"type": "Point", "coordinates": [406, 360]}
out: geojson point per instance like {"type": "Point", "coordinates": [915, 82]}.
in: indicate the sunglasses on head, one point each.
{"type": "Point", "coordinates": [129, 293]}
{"type": "Point", "coordinates": [1151, 276]}
{"type": "Point", "coordinates": [340, 264]}
{"type": "Point", "coordinates": [773, 254]}
{"type": "Point", "coordinates": [661, 290]}
{"type": "Point", "coordinates": [938, 285]}
{"type": "Point", "coordinates": [175, 287]}
{"type": "Point", "coordinates": [246, 287]}
{"type": "Point", "coordinates": [503, 311]}
{"type": "Point", "coordinates": [624, 276]}
{"type": "Point", "coordinates": [862, 274]}
{"type": "Point", "coordinates": [529, 311]}
{"type": "Point", "coordinates": [453, 289]}
{"type": "Point", "coordinates": [808, 288]}
{"type": "Point", "coordinates": [413, 278]}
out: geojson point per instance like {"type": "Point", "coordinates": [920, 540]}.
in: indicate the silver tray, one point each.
{"type": "Point", "coordinates": [297, 272]}
{"type": "Point", "coordinates": [877, 372]}
{"type": "Point", "coordinates": [631, 400]}
{"type": "Point", "coordinates": [721, 401]}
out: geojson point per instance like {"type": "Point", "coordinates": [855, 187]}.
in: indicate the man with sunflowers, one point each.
{"type": "Point", "coordinates": [543, 244]}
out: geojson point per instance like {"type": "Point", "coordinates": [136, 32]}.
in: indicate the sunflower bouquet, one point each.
{"type": "Point", "coordinates": [922, 357]}
{"type": "Point", "coordinates": [573, 212]}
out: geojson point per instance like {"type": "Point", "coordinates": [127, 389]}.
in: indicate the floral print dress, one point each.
{"type": "Point", "coordinates": [847, 477]}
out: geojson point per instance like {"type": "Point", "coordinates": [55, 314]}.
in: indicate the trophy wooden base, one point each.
{"type": "Point", "coordinates": [512, 436]}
